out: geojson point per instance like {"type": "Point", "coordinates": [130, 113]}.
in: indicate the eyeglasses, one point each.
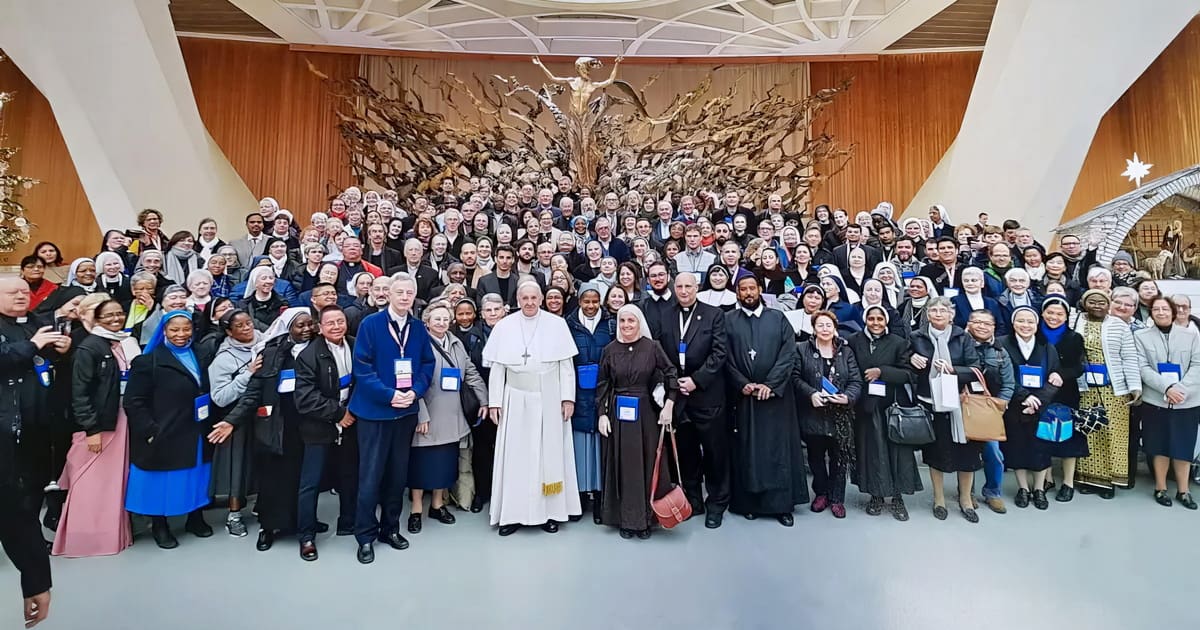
{"type": "Point", "coordinates": [111, 316]}
{"type": "Point", "coordinates": [982, 322]}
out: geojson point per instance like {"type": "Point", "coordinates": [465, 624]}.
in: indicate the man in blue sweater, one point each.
{"type": "Point", "coordinates": [393, 368]}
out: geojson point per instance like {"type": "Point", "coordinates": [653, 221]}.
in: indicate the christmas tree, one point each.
{"type": "Point", "coordinates": [14, 227]}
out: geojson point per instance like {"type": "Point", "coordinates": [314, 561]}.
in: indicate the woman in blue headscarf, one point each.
{"type": "Point", "coordinates": [167, 404]}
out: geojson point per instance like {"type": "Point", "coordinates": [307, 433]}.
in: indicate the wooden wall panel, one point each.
{"type": "Point", "coordinates": [902, 113]}
{"type": "Point", "coordinates": [58, 205]}
{"type": "Point", "coordinates": [1159, 117]}
{"type": "Point", "coordinates": [272, 117]}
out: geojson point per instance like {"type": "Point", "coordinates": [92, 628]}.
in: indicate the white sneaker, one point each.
{"type": "Point", "coordinates": [235, 526]}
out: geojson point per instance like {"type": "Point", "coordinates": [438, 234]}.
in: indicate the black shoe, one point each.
{"type": "Point", "coordinates": [697, 509]}
{"type": "Point", "coordinates": [414, 523]}
{"type": "Point", "coordinates": [550, 527]}
{"type": "Point", "coordinates": [308, 551]}
{"type": "Point", "coordinates": [1040, 501]}
{"type": "Point", "coordinates": [196, 526]}
{"type": "Point", "coordinates": [50, 522]}
{"type": "Point", "coordinates": [940, 513]}
{"type": "Point", "coordinates": [1160, 496]}
{"type": "Point", "coordinates": [345, 529]}
{"type": "Point", "coordinates": [969, 514]}
{"type": "Point", "coordinates": [1065, 494]}
{"type": "Point", "coordinates": [1022, 498]}
{"type": "Point", "coordinates": [899, 510]}
{"type": "Point", "coordinates": [366, 553]}
{"type": "Point", "coordinates": [266, 538]}
{"type": "Point", "coordinates": [1107, 493]}
{"type": "Point", "coordinates": [1185, 499]}
{"type": "Point", "coordinates": [644, 534]}
{"type": "Point", "coordinates": [574, 518]}
{"type": "Point", "coordinates": [509, 530]}
{"type": "Point", "coordinates": [442, 515]}
{"type": "Point", "coordinates": [626, 533]}
{"type": "Point", "coordinates": [162, 534]}
{"type": "Point", "coordinates": [477, 504]}
{"type": "Point", "coordinates": [395, 541]}
{"type": "Point", "coordinates": [713, 519]}
{"type": "Point", "coordinates": [786, 520]}
{"type": "Point", "coordinates": [875, 506]}
{"type": "Point", "coordinates": [1086, 489]}
{"type": "Point", "coordinates": [1049, 485]}
{"type": "Point", "coordinates": [322, 527]}
{"type": "Point", "coordinates": [750, 516]}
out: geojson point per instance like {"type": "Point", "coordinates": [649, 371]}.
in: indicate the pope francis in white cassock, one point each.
{"type": "Point", "coordinates": [531, 391]}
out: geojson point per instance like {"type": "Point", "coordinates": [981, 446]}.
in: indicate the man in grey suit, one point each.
{"type": "Point", "coordinates": [254, 243]}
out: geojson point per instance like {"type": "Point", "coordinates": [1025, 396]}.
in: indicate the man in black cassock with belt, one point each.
{"type": "Point", "coordinates": [693, 336]}
{"type": "Point", "coordinates": [26, 352]}
{"type": "Point", "coordinates": [768, 465]}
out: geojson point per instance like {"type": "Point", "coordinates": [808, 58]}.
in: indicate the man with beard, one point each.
{"type": "Point", "coordinates": [378, 253]}
{"type": "Point", "coordinates": [658, 301]}
{"type": "Point", "coordinates": [1078, 261]}
{"type": "Point", "coordinates": [837, 234]}
{"type": "Point", "coordinates": [693, 336]}
{"type": "Point", "coordinates": [469, 257]}
{"type": "Point", "coordinates": [767, 464]}
{"type": "Point", "coordinates": [886, 235]}
{"type": "Point", "coordinates": [906, 260]}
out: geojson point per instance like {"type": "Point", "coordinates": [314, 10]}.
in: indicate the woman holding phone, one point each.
{"type": "Point", "coordinates": [828, 378]}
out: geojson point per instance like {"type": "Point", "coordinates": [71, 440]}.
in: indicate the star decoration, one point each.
{"type": "Point", "coordinates": [1135, 170]}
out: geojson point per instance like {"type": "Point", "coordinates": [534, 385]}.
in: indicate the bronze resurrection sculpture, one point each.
{"type": "Point", "coordinates": [605, 138]}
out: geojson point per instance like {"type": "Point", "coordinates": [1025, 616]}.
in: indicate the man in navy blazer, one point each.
{"type": "Point", "coordinates": [393, 368]}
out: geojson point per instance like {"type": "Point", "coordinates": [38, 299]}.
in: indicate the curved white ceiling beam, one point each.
{"type": "Point", "coordinates": [696, 6]}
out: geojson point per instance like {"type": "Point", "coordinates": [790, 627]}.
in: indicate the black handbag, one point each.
{"type": "Point", "coordinates": [466, 396]}
{"type": "Point", "coordinates": [1089, 420]}
{"type": "Point", "coordinates": [909, 426]}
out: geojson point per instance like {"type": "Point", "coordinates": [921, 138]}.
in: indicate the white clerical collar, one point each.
{"type": "Point", "coordinates": [660, 298]}
{"type": "Point", "coordinates": [753, 313]}
{"type": "Point", "coordinates": [400, 319]}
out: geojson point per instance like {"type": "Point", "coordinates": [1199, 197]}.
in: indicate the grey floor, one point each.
{"type": "Point", "coordinates": [1125, 563]}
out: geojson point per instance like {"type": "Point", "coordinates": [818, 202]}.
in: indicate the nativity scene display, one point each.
{"type": "Point", "coordinates": [1164, 242]}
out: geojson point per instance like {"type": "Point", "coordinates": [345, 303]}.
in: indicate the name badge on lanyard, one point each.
{"type": "Point", "coordinates": [287, 381]}
{"type": "Point", "coordinates": [1096, 374]}
{"type": "Point", "coordinates": [344, 389]}
{"type": "Point", "coordinates": [451, 379]}
{"type": "Point", "coordinates": [950, 292]}
{"type": "Point", "coordinates": [877, 388]}
{"type": "Point", "coordinates": [682, 355]}
{"type": "Point", "coordinates": [124, 380]}
{"type": "Point", "coordinates": [201, 406]}
{"type": "Point", "coordinates": [1171, 372]}
{"type": "Point", "coordinates": [627, 408]}
{"type": "Point", "coordinates": [404, 372]}
{"type": "Point", "coordinates": [43, 370]}
{"type": "Point", "coordinates": [1031, 376]}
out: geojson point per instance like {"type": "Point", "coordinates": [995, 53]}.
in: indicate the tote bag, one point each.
{"type": "Point", "coordinates": [983, 415]}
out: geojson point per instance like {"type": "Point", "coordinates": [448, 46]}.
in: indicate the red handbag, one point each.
{"type": "Point", "coordinates": [674, 507]}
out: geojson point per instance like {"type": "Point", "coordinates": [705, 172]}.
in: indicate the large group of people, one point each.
{"type": "Point", "coordinates": [520, 350]}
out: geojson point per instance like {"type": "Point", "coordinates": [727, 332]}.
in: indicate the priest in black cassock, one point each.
{"type": "Point", "coordinates": [768, 465]}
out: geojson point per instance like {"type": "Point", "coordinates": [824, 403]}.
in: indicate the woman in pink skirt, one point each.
{"type": "Point", "coordinates": [94, 522]}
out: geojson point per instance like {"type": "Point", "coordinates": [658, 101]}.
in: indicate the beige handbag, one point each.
{"type": "Point", "coordinates": [983, 415]}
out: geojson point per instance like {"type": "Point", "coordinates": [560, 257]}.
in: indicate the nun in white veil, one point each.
{"type": "Point", "coordinates": [631, 368]}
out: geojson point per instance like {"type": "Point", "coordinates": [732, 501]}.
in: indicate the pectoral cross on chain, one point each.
{"type": "Point", "coordinates": [753, 353]}
{"type": "Point", "coordinates": [525, 357]}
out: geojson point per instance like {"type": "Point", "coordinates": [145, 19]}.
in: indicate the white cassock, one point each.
{"type": "Point", "coordinates": [533, 477]}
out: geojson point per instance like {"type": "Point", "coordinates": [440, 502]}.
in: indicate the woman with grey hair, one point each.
{"type": "Point", "coordinates": [1099, 278]}
{"type": "Point", "coordinates": [943, 350]}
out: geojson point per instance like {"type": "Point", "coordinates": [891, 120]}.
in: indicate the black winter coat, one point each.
{"type": "Point", "coordinates": [160, 406]}
{"type": "Point", "coordinates": [962, 355]}
{"type": "Point", "coordinates": [262, 392]}
{"type": "Point", "coordinates": [95, 386]}
{"type": "Point", "coordinates": [891, 356]}
{"type": "Point", "coordinates": [317, 393]}
{"type": "Point", "coordinates": [810, 369]}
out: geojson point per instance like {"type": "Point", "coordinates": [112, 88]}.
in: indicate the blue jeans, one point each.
{"type": "Point", "coordinates": [993, 470]}
{"type": "Point", "coordinates": [310, 488]}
